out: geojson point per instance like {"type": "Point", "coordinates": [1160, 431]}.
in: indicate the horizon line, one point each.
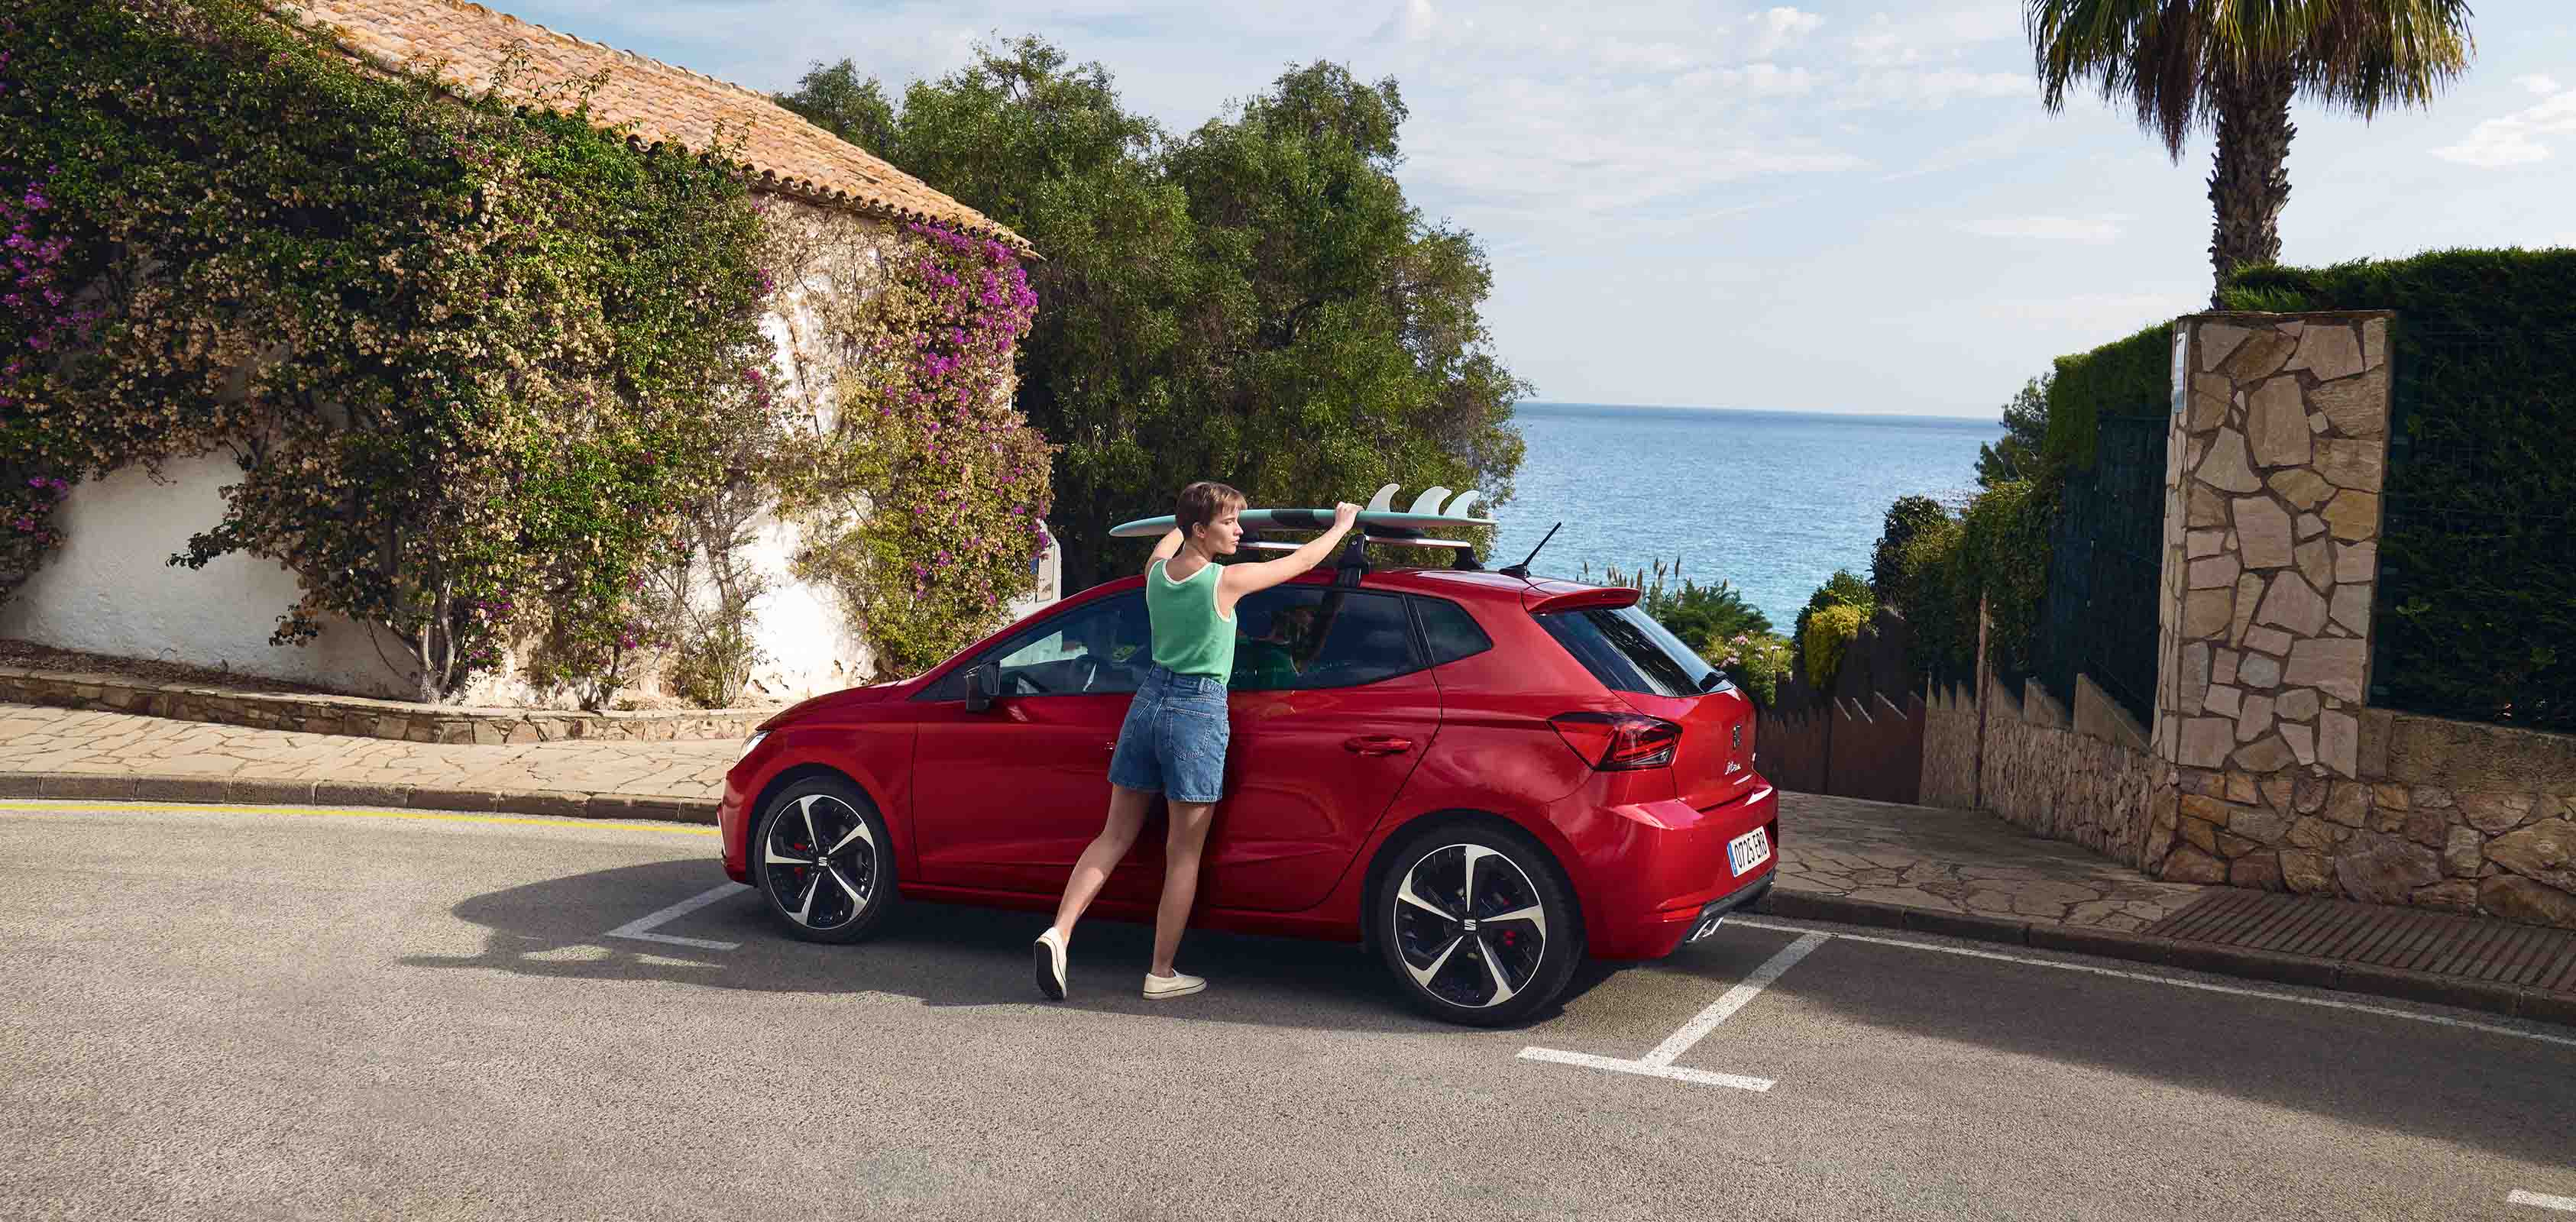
{"type": "Point", "coordinates": [1777, 411]}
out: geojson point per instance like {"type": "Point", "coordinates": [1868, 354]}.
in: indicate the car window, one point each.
{"type": "Point", "coordinates": [1099, 648]}
{"type": "Point", "coordinates": [1451, 632]}
{"type": "Point", "coordinates": [1298, 637]}
{"type": "Point", "coordinates": [1628, 651]}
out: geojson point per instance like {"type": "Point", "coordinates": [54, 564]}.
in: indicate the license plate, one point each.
{"type": "Point", "coordinates": [1748, 850]}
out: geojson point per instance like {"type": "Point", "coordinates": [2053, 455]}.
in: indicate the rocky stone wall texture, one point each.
{"type": "Point", "coordinates": [1950, 749]}
{"type": "Point", "coordinates": [2063, 784]}
{"type": "Point", "coordinates": [2281, 778]}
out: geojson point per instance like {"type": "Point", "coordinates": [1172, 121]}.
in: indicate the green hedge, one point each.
{"type": "Point", "coordinates": [2130, 377]}
{"type": "Point", "coordinates": [2477, 606]}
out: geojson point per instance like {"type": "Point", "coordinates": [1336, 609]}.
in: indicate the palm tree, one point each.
{"type": "Point", "coordinates": [2233, 66]}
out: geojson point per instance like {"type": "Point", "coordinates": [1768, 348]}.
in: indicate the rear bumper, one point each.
{"type": "Point", "coordinates": [1642, 900]}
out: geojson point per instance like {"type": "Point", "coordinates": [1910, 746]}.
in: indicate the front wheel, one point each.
{"type": "Point", "coordinates": [1476, 925]}
{"type": "Point", "coordinates": [820, 858]}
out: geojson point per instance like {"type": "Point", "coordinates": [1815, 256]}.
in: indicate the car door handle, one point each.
{"type": "Point", "coordinates": [1377, 744]}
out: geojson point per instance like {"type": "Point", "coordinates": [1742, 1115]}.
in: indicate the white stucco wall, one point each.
{"type": "Point", "coordinates": [110, 589]}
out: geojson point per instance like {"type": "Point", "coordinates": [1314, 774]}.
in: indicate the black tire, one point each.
{"type": "Point", "coordinates": [844, 896]}
{"type": "Point", "coordinates": [1488, 975]}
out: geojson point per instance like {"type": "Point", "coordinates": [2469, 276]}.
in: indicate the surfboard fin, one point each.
{"type": "Point", "coordinates": [1429, 501]}
{"type": "Point", "coordinates": [1384, 500]}
{"type": "Point", "coordinates": [1458, 504]}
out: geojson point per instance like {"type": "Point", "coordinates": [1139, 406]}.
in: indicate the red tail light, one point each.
{"type": "Point", "coordinates": [1613, 742]}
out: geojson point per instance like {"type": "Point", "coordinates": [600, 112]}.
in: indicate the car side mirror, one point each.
{"type": "Point", "coordinates": [983, 686]}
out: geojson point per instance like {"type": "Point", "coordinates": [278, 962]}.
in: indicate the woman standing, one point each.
{"type": "Point", "coordinates": [1173, 741]}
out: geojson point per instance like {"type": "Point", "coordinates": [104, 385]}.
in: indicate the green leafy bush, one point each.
{"type": "Point", "coordinates": [2477, 600]}
{"type": "Point", "coordinates": [2004, 549]}
{"type": "Point", "coordinates": [1843, 589]}
{"type": "Point", "coordinates": [1938, 599]}
{"type": "Point", "coordinates": [1828, 636]}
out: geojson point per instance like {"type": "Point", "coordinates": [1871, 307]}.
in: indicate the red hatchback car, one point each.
{"type": "Point", "coordinates": [1483, 777]}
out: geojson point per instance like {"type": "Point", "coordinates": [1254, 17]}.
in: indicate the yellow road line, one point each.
{"type": "Point", "coordinates": [76, 806]}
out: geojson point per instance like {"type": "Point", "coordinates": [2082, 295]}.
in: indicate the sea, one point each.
{"type": "Point", "coordinates": [1772, 502]}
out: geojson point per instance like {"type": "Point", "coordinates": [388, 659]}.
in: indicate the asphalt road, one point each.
{"type": "Point", "coordinates": [238, 1014]}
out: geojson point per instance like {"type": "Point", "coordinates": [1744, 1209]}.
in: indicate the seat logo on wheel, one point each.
{"type": "Point", "coordinates": [1471, 927]}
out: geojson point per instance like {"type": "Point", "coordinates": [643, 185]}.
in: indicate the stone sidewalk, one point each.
{"type": "Point", "coordinates": [52, 752]}
{"type": "Point", "coordinates": [1957, 873]}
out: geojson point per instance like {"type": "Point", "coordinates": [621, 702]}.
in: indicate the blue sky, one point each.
{"type": "Point", "coordinates": [1828, 207]}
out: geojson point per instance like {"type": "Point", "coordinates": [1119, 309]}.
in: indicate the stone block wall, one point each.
{"type": "Point", "coordinates": [2265, 767]}
{"type": "Point", "coordinates": [1950, 747]}
{"type": "Point", "coordinates": [2281, 777]}
{"type": "Point", "coordinates": [2042, 774]}
{"type": "Point", "coordinates": [2271, 538]}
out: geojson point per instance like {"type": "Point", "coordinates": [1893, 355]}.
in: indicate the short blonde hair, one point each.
{"type": "Point", "coordinates": [1202, 503]}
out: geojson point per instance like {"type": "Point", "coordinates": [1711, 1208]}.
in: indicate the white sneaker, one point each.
{"type": "Point", "coordinates": [1049, 952]}
{"type": "Point", "coordinates": [1178, 984]}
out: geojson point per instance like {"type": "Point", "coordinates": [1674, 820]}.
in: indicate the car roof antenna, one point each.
{"type": "Point", "coordinates": [1521, 570]}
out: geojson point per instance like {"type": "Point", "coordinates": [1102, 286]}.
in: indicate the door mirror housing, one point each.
{"type": "Point", "coordinates": [983, 686]}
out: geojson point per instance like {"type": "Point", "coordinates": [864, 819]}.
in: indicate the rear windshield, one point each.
{"type": "Point", "coordinates": [1629, 652]}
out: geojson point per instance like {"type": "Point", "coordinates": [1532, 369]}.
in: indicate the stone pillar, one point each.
{"type": "Point", "coordinates": [2275, 462]}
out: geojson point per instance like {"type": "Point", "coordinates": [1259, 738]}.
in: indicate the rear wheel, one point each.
{"type": "Point", "coordinates": [821, 860]}
{"type": "Point", "coordinates": [1476, 924]}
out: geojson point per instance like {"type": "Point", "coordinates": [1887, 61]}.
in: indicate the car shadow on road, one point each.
{"type": "Point", "coordinates": [938, 954]}
{"type": "Point", "coordinates": [2490, 1091]}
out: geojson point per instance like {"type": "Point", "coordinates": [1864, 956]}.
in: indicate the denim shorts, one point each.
{"type": "Point", "coordinates": [1173, 740]}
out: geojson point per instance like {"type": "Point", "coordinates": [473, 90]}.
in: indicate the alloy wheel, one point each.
{"type": "Point", "coordinates": [1469, 926]}
{"type": "Point", "coordinates": [819, 862]}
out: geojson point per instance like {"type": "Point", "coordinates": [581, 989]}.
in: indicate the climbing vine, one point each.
{"type": "Point", "coordinates": [925, 492]}
{"type": "Point", "coordinates": [460, 350]}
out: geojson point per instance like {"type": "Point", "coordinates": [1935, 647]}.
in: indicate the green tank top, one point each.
{"type": "Point", "coordinates": [1189, 636]}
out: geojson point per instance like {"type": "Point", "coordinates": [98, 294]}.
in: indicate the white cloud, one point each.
{"type": "Point", "coordinates": [1754, 80]}
{"type": "Point", "coordinates": [2049, 228]}
{"type": "Point", "coordinates": [1931, 36]}
{"type": "Point", "coordinates": [1933, 87]}
{"type": "Point", "coordinates": [2515, 139]}
{"type": "Point", "coordinates": [1778, 28]}
{"type": "Point", "coordinates": [2538, 84]}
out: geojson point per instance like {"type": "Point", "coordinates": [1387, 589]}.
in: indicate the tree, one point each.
{"type": "Point", "coordinates": [2233, 66]}
{"type": "Point", "coordinates": [1254, 302]}
{"type": "Point", "coordinates": [1908, 517]}
{"type": "Point", "coordinates": [838, 101]}
{"type": "Point", "coordinates": [2016, 454]}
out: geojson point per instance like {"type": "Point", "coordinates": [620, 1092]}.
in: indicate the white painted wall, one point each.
{"type": "Point", "coordinates": [110, 589]}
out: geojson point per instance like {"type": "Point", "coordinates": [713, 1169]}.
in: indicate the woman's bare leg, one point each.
{"type": "Point", "coordinates": [1180, 878]}
{"type": "Point", "coordinates": [1091, 871]}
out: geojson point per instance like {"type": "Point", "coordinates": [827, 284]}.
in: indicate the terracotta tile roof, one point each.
{"type": "Point", "coordinates": [657, 102]}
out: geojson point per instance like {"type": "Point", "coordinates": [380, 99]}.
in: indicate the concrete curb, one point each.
{"type": "Point", "coordinates": [572, 804]}
{"type": "Point", "coordinates": [2309, 970]}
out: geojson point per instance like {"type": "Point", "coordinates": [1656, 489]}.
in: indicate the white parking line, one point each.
{"type": "Point", "coordinates": [1659, 1063]}
{"type": "Point", "coordinates": [2151, 978]}
{"type": "Point", "coordinates": [1695, 1030]}
{"type": "Point", "coordinates": [640, 929]}
{"type": "Point", "coordinates": [2541, 1200]}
